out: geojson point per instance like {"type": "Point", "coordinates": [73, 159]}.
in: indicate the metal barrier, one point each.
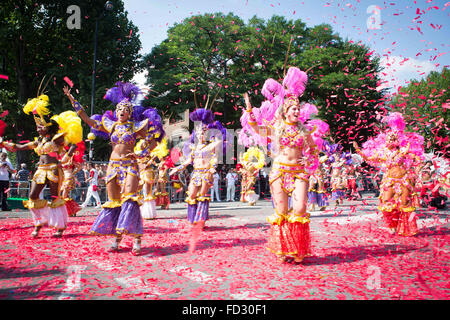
{"type": "Point", "coordinates": [21, 189]}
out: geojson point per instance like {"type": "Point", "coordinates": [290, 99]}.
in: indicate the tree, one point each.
{"type": "Point", "coordinates": [425, 104]}
{"type": "Point", "coordinates": [343, 82]}
{"type": "Point", "coordinates": [216, 51]}
{"type": "Point", "coordinates": [37, 42]}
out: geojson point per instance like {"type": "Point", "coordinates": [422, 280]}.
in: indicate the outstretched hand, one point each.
{"type": "Point", "coordinates": [66, 90]}
{"type": "Point", "coordinates": [247, 101]}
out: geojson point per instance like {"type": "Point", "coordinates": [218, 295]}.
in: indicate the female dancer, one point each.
{"type": "Point", "coordinates": [202, 154]}
{"type": "Point", "coordinates": [54, 134]}
{"type": "Point", "coordinates": [350, 174]}
{"type": "Point", "coordinates": [70, 165]}
{"type": "Point", "coordinates": [249, 170]}
{"type": "Point", "coordinates": [312, 191]}
{"type": "Point", "coordinates": [162, 195]}
{"type": "Point", "coordinates": [296, 157]}
{"type": "Point", "coordinates": [322, 197]}
{"type": "Point", "coordinates": [149, 175]}
{"type": "Point", "coordinates": [397, 152]}
{"type": "Point", "coordinates": [121, 214]}
{"type": "Point", "coordinates": [337, 180]}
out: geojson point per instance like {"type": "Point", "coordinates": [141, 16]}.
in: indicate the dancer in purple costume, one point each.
{"type": "Point", "coordinates": [123, 127]}
{"type": "Point", "coordinates": [202, 155]}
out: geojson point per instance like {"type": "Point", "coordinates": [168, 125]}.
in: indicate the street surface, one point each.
{"type": "Point", "coordinates": [354, 258]}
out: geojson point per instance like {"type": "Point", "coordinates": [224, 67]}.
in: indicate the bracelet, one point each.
{"type": "Point", "coordinates": [252, 122]}
{"type": "Point", "coordinates": [10, 145]}
{"type": "Point", "coordinates": [77, 106]}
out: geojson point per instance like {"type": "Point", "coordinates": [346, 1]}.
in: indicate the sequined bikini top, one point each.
{"type": "Point", "coordinates": [122, 133]}
{"type": "Point", "coordinates": [47, 146]}
{"type": "Point", "coordinates": [202, 153]}
{"type": "Point", "coordinates": [291, 137]}
{"type": "Point", "coordinates": [395, 158]}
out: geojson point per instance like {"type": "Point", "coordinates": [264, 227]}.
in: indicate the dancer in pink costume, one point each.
{"type": "Point", "coordinates": [398, 153]}
{"type": "Point", "coordinates": [283, 125]}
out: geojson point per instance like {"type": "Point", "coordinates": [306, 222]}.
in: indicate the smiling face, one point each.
{"type": "Point", "coordinates": [292, 114]}
{"type": "Point", "coordinates": [42, 130]}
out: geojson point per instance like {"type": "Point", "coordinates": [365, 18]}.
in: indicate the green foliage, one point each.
{"type": "Point", "coordinates": [217, 53]}
{"type": "Point", "coordinates": [36, 41]}
{"type": "Point", "coordinates": [425, 104]}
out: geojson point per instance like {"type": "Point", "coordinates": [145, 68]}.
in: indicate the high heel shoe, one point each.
{"type": "Point", "coordinates": [136, 251]}
{"type": "Point", "coordinates": [35, 232]}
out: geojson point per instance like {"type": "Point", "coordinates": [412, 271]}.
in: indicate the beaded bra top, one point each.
{"type": "Point", "coordinates": [121, 133]}
{"type": "Point", "coordinates": [291, 137]}
{"type": "Point", "coordinates": [47, 146]}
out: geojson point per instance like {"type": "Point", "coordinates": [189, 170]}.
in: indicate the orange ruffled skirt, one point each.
{"type": "Point", "coordinates": [289, 235]}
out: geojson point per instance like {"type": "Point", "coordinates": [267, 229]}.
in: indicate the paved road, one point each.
{"type": "Point", "coordinates": [354, 258]}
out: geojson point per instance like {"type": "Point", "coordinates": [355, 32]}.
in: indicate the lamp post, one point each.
{"type": "Point", "coordinates": [107, 7]}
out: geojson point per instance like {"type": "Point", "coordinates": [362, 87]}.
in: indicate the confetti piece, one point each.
{"type": "Point", "coordinates": [68, 81]}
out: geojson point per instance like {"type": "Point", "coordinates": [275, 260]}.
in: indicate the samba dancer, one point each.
{"type": "Point", "coordinates": [295, 140]}
{"type": "Point", "coordinates": [129, 123]}
{"type": "Point", "coordinates": [398, 152]}
{"type": "Point", "coordinates": [201, 153]}
{"type": "Point", "coordinates": [54, 134]}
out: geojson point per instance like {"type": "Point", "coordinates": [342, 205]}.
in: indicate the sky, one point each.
{"type": "Point", "coordinates": [411, 37]}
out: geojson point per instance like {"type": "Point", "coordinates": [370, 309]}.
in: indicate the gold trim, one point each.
{"type": "Point", "coordinates": [276, 218]}
{"type": "Point", "coordinates": [112, 204]}
{"type": "Point", "coordinates": [132, 197]}
{"type": "Point", "coordinates": [386, 208]}
{"type": "Point", "coordinates": [56, 203]}
{"type": "Point", "coordinates": [293, 218]}
{"type": "Point", "coordinates": [190, 201]}
{"type": "Point", "coordinates": [35, 204]}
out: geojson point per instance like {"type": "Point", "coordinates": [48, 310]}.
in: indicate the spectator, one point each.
{"type": "Point", "coordinates": [231, 187]}
{"type": "Point", "coordinates": [6, 169]}
{"type": "Point", "coordinates": [177, 187]}
{"type": "Point", "coordinates": [101, 181]}
{"type": "Point", "coordinates": [215, 187]}
{"type": "Point", "coordinates": [93, 187]}
{"type": "Point", "coordinates": [80, 178]}
{"type": "Point", "coordinates": [23, 175]}
{"type": "Point", "coordinates": [263, 183]}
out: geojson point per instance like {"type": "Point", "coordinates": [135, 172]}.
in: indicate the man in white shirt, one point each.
{"type": "Point", "coordinates": [5, 169]}
{"type": "Point", "coordinates": [92, 189]}
{"type": "Point", "coordinates": [231, 188]}
{"type": "Point", "coordinates": [215, 188]}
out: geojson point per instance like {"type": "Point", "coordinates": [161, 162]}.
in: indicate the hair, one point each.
{"type": "Point", "coordinates": [53, 128]}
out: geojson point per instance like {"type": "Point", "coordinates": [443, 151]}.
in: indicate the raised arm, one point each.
{"type": "Point", "coordinates": [78, 108]}
{"type": "Point", "coordinates": [251, 117]}
{"type": "Point", "coordinates": [376, 157]}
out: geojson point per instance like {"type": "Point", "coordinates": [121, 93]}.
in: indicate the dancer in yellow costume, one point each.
{"type": "Point", "coordinates": [249, 170]}
{"type": "Point", "coordinates": [54, 134]}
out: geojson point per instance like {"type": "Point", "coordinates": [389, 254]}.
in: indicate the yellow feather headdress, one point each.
{"type": "Point", "coordinates": [254, 152]}
{"type": "Point", "coordinates": [69, 124]}
{"type": "Point", "coordinates": [38, 107]}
